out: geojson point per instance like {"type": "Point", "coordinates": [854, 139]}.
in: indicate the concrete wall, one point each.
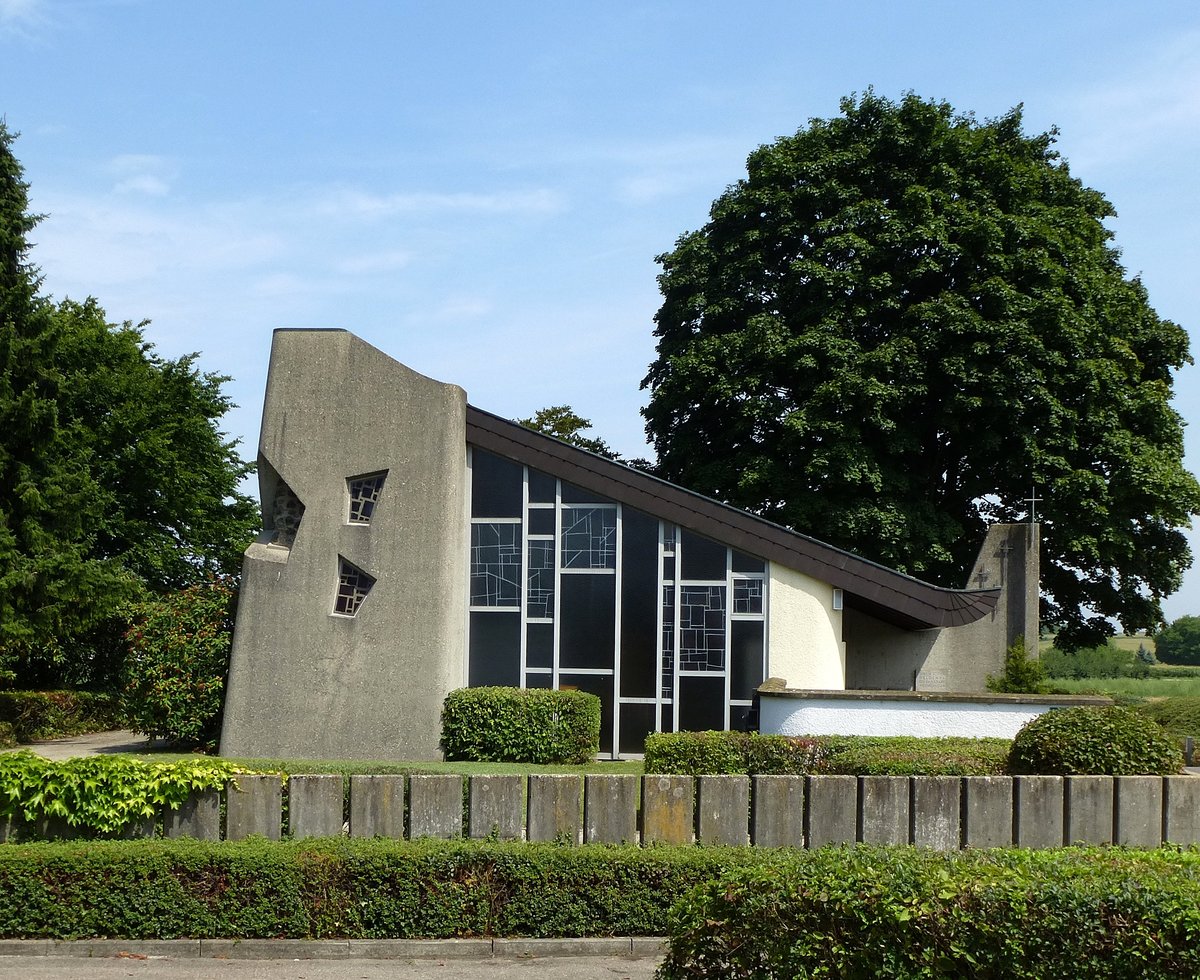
{"type": "Point", "coordinates": [879, 713]}
{"type": "Point", "coordinates": [303, 681]}
{"type": "Point", "coordinates": [880, 656]}
{"type": "Point", "coordinates": [804, 631]}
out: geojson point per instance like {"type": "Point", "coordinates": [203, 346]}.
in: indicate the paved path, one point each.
{"type": "Point", "coordinates": [98, 743]}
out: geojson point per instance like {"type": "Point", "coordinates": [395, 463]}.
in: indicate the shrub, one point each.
{"type": "Point", "coordinates": [509, 724]}
{"type": "Point", "coordinates": [101, 794]}
{"type": "Point", "coordinates": [1179, 643]}
{"type": "Point", "coordinates": [862, 912]}
{"type": "Point", "coordinates": [36, 715]}
{"type": "Point", "coordinates": [340, 887]}
{"type": "Point", "coordinates": [1178, 716]}
{"type": "Point", "coordinates": [720, 753]}
{"type": "Point", "coordinates": [178, 662]}
{"type": "Point", "coordinates": [1023, 674]}
{"type": "Point", "coordinates": [1103, 741]}
{"type": "Point", "coordinates": [7, 737]}
{"type": "Point", "coordinates": [1103, 662]}
{"type": "Point", "coordinates": [903, 755]}
{"type": "Point", "coordinates": [716, 753]}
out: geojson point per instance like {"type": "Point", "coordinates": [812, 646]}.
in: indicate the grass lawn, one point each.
{"type": "Point", "coordinates": [350, 767]}
{"type": "Point", "coordinates": [1161, 686]}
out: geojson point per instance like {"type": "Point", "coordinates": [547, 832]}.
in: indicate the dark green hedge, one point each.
{"type": "Point", "coordinates": [1108, 741]}
{"type": "Point", "coordinates": [715, 753]}
{"type": "Point", "coordinates": [510, 724]}
{"type": "Point", "coordinates": [38, 715]}
{"type": "Point", "coordinates": [1178, 716]}
{"type": "Point", "coordinates": [891, 913]}
{"type": "Point", "coordinates": [345, 888]}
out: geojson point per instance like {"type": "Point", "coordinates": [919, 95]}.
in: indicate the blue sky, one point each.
{"type": "Point", "coordinates": [480, 189]}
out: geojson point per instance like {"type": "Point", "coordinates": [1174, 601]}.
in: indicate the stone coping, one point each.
{"type": "Point", "coordinates": [1064, 700]}
{"type": "Point", "coordinates": [324, 949]}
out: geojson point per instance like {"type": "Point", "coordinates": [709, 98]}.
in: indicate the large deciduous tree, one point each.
{"type": "Point", "coordinates": [114, 477]}
{"type": "Point", "coordinates": [902, 320]}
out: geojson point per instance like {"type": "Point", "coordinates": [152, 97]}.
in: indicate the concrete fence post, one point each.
{"type": "Point", "coordinates": [377, 806]}
{"type": "Point", "coordinates": [555, 803]}
{"type": "Point", "coordinates": [1138, 811]}
{"type": "Point", "coordinates": [1089, 809]}
{"type": "Point", "coordinates": [1181, 810]}
{"type": "Point", "coordinates": [778, 811]}
{"type": "Point", "coordinates": [610, 809]}
{"type": "Point", "coordinates": [934, 811]}
{"type": "Point", "coordinates": [435, 805]}
{"type": "Point", "coordinates": [987, 811]}
{"type": "Point", "coordinates": [832, 816]}
{"type": "Point", "coordinates": [315, 805]}
{"type": "Point", "coordinates": [497, 805]}
{"type": "Point", "coordinates": [199, 817]}
{"type": "Point", "coordinates": [883, 815]}
{"type": "Point", "coordinates": [668, 809]}
{"type": "Point", "coordinates": [724, 803]}
{"type": "Point", "coordinates": [253, 806]}
{"type": "Point", "coordinates": [1038, 805]}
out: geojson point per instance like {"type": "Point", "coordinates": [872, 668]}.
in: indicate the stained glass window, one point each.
{"type": "Point", "coordinates": [748, 596]}
{"type": "Point", "coordinates": [589, 537]}
{"type": "Point", "coordinates": [539, 596]}
{"type": "Point", "coordinates": [364, 494]}
{"type": "Point", "coordinates": [353, 586]}
{"type": "Point", "coordinates": [495, 564]}
{"type": "Point", "coordinates": [702, 627]}
{"type": "Point", "coordinates": [286, 514]}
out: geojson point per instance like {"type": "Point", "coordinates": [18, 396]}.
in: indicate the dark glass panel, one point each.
{"type": "Point", "coordinates": [539, 645]}
{"type": "Point", "coordinates": [668, 568]}
{"type": "Point", "coordinates": [495, 485]}
{"type": "Point", "coordinates": [702, 558]}
{"type": "Point", "coordinates": [541, 520]}
{"type": "Point", "coordinates": [577, 495]}
{"type": "Point", "coordinates": [746, 654]}
{"type": "Point", "coordinates": [589, 537]}
{"type": "Point", "coordinates": [587, 610]}
{"type": "Point", "coordinates": [495, 564]}
{"type": "Point", "coordinates": [668, 718]}
{"type": "Point", "coordinates": [748, 596]}
{"type": "Point", "coordinates": [541, 487]}
{"type": "Point", "coordinates": [495, 650]}
{"type": "Point", "coordinates": [639, 604]}
{"type": "Point", "coordinates": [739, 718]}
{"type": "Point", "coordinates": [637, 721]}
{"type": "Point", "coordinates": [745, 563]}
{"type": "Point", "coordinates": [538, 680]}
{"type": "Point", "coordinates": [701, 704]}
{"type": "Point", "coordinates": [539, 591]}
{"type": "Point", "coordinates": [702, 627]}
{"type": "Point", "coordinates": [600, 685]}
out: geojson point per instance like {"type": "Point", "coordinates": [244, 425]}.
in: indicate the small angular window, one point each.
{"type": "Point", "coordinates": [353, 586]}
{"type": "Point", "coordinates": [364, 494]}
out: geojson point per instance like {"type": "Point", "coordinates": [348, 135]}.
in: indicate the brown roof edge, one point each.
{"type": "Point", "coordinates": [872, 588]}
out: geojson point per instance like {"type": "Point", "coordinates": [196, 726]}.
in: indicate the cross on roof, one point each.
{"type": "Point", "coordinates": [1033, 500]}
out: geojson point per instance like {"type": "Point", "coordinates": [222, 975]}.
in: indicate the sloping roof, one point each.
{"type": "Point", "coordinates": [871, 588]}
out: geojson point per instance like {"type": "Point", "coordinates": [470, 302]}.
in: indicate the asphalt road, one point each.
{"type": "Point", "coordinates": [195, 968]}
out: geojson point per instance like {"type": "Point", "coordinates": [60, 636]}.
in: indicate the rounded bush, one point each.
{"type": "Point", "coordinates": [1093, 741]}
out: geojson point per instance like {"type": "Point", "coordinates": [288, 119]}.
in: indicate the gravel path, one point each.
{"type": "Point", "coordinates": [98, 743]}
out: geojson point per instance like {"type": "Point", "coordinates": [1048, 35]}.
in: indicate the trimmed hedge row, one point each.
{"type": "Point", "coordinates": [36, 715]}
{"type": "Point", "coordinates": [718, 753]}
{"type": "Point", "coordinates": [510, 724]}
{"type": "Point", "coordinates": [343, 888]}
{"type": "Point", "coordinates": [872, 912]}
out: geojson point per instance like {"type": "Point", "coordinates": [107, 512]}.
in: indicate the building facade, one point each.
{"type": "Point", "coordinates": [413, 544]}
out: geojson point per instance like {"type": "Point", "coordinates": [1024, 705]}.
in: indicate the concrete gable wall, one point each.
{"type": "Point", "coordinates": [304, 681]}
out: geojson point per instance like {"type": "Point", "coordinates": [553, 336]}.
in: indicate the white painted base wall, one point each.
{"type": "Point", "coordinates": [784, 715]}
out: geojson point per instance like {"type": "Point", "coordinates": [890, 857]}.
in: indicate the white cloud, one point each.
{"type": "Point", "coordinates": [138, 173]}
{"type": "Point", "coordinates": [372, 264]}
{"type": "Point", "coordinates": [365, 204]}
{"type": "Point", "coordinates": [21, 13]}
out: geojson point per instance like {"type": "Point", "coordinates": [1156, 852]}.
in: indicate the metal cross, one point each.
{"type": "Point", "coordinates": [1033, 500]}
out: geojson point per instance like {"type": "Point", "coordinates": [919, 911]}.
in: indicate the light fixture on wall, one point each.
{"type": "Point", "coordinates": [837, 600]}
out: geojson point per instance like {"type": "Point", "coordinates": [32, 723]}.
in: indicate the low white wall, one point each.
{"type": "Point", "coordinates": [892, 713]}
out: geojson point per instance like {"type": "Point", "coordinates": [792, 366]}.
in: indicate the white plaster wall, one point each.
{"type": "Point", "coordinates": [804, 716]}
{"type": "Point", "coordinates": [804, 632]}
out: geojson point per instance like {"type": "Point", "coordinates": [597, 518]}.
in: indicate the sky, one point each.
{"type": "Point", "coordinates": [480, 189]}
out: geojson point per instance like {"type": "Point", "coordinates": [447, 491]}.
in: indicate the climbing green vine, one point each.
{"type": "Point", "coordinates": [103, 794]}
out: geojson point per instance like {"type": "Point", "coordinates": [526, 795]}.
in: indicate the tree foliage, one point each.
{"type": "Point", "coordinates": [900, 321]}
{"type": "Point", "coordinates": [114, 477]}
{"type": "Point", "coordinates": [563, 422]}
{"type": "Point", "coordinates": [1179, 643]}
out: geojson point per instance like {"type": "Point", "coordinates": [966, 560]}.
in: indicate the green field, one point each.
{"type": "Point", "coordinates": [1155, 686]}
